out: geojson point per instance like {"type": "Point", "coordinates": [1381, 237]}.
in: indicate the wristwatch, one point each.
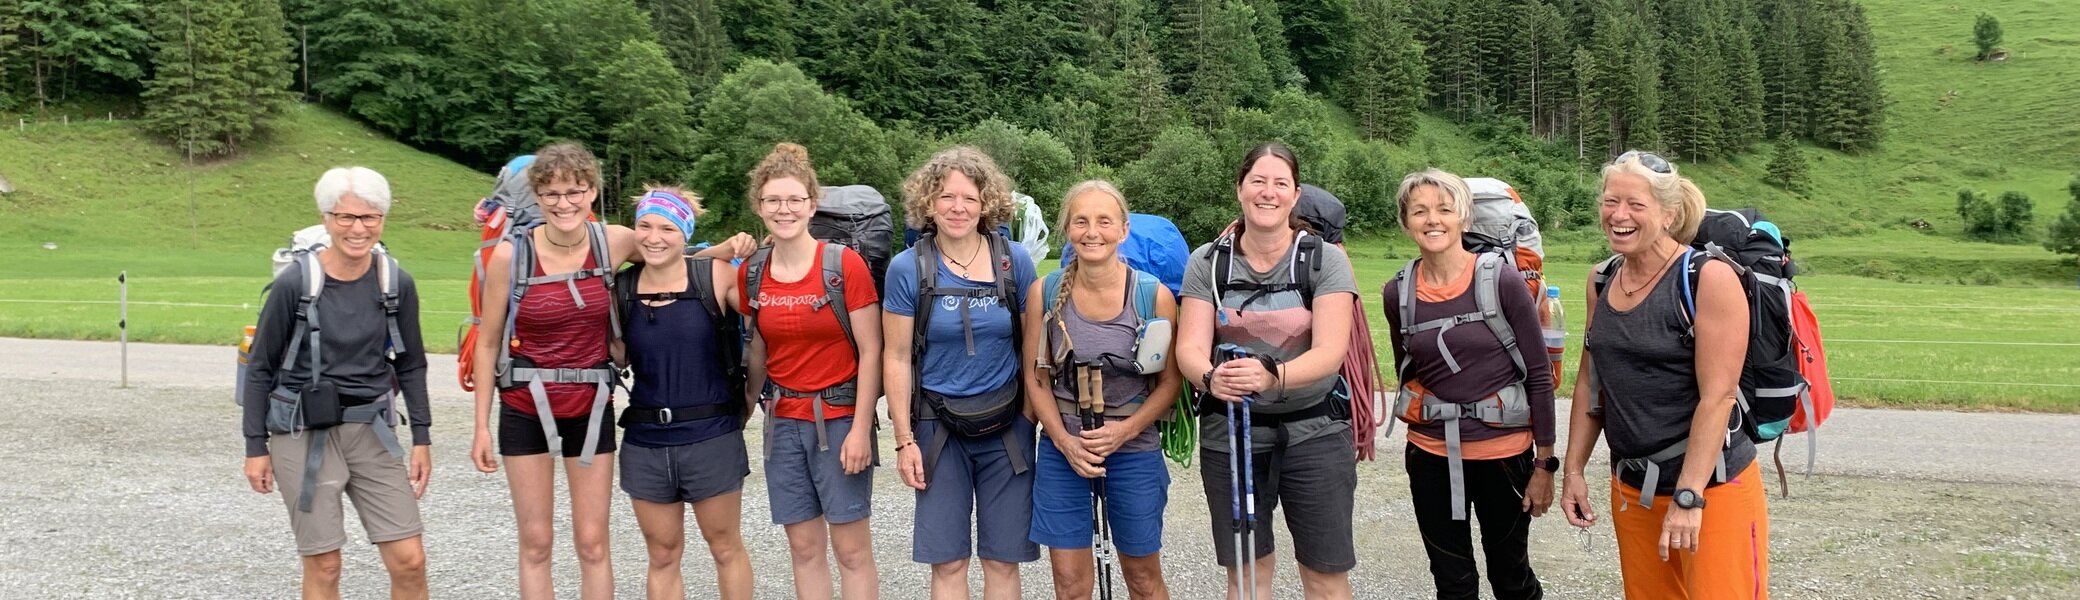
{"type": "Point", "coordinates": [1551, 464]}
{"type": "Point", "coordinates": [1688, 499]}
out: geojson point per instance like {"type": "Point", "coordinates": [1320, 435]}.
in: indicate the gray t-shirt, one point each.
{"type": "Point", "coordinates": [355, 334]}
{"type": "Point", "coordinates": [1277, 324]}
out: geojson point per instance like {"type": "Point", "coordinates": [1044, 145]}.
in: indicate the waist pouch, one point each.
{"type": "Point", "coordinates": [316, 406]}
{"type": "Point", "coordinates": [978, 415]}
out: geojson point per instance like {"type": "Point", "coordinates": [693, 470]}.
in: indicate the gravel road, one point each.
{"type": "Point", "coordinates": [1905, 504]}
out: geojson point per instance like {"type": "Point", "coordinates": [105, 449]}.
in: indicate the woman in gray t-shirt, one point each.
{"type": "Point", "coordinates": [1266, 287]}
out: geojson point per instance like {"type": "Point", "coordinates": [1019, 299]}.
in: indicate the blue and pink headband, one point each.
{"type": "Point", "coordinates": [670, 206]}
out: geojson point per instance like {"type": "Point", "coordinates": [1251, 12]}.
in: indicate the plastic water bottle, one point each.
{"type": "Point", "coordinates": [1553, 322]}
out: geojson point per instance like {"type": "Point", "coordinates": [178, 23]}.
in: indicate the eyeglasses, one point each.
{"type": "Point", "coordinates": [571, 196]}
{"type": "Point", "coordinates": [780, 202]}
{"type": "Point", "coordinates": [1653, 162]}
{"type": "Point", "coordinates": [349, 219]}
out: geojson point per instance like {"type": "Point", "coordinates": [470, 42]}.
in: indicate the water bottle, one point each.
{"type": "Point", "coordinates": [1554, 323]}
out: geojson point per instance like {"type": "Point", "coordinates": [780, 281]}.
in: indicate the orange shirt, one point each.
{"type": "Point", "coordinates": [806, 349]}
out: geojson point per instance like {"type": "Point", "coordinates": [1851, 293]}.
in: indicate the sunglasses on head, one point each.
{"type": "Point", "coordinates": [1653, 162]}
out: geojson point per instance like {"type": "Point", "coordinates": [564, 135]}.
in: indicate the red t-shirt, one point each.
{"type": "Point", "coordinates": [806, 348]}
{"type": "Point", "coordinates": [551, 330]}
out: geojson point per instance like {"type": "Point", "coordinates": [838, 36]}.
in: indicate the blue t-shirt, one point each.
{"type": "Point", "coordinates": [948, 367]}
{"type": "Point", "coordinates": [677, 362]}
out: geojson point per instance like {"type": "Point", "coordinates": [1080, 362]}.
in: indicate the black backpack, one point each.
{"type": "Point", "coordinates": [989, 413]}
{"type": "Point", "coordinates": [857, 217]}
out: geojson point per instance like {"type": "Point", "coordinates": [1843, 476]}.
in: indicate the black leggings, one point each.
{"type": "Point", "coordinates": [1495, 488]}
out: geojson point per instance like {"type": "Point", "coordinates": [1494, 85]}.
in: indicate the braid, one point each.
{"type": "Point", "coordinates": [1061, 294]}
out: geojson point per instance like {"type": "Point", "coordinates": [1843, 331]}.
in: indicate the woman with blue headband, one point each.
{"type": "Point", "coordinates": [684, 427]}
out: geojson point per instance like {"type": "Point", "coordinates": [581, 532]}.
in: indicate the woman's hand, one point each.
{"type": "Point", "coordinates": [421, 470]}
{"type": "Point", "coordinates": [741, 245]}
{"type": "Point", "coordinates": [1107, 438]}
{"type": "Point", "coordinates": [1083, 461]}
{"type": "Point", "coordinates": [1240, 377]}
{"type": "Point", "coordinates": [1679, 529]}
{"type": "Point", "coordinates": [1574, 502]}
{"type": "Point", "coordinates": [910, 464]}
{"type": "Point", "coordinates": [857, 452]}
{"type": "Point", "coordinates": [260, 473]}
{"type": "Point", "coordinates": [1538, 495]}
{"type": "Point", "coordinates": [480, 452]}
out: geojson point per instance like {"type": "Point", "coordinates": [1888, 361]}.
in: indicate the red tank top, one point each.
{"type": "Point", "coordinates": [554, 332]}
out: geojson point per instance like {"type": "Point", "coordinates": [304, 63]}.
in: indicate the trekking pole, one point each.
{"type": "Point", "coordinates": [1091, 395]}
{"type": "Point", "coordinates": [123, 324]}
{"type": "Point", "coordinates": [1249, 479]}
{"type": "Point", "coordinates": [1235, 478]}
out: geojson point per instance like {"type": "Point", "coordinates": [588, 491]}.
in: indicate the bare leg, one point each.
{"type": "Point", "coordinates": [405, 559]}
{"type": "Point", "coordinates": [1073, 570]}
{"type": "Point", "coordinates": [1317, 585]}
{"type": "Point", "coordinates": [1000, 580]}
{"type": "Point", "coordinates": [808, 542]}
{"type": "Point", "coordinates": [854, 544]}
{"type": "Point", "coordinates": [950, 580]}
{"type": "Point", "coordinates": [592, 490]}
{"type": "Point", "coordinates": [721, 520]}
{"type": "Point", "coordinates": [532, 481]}
{"type": "Point", "coordinates": [1145, 576]}
{"type": "Point", "coordinates": [664, 539]}
{"type": "Point", "coordinates": [321, 576]}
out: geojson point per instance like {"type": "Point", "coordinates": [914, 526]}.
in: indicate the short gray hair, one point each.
{"type": "Point", "coordinates": [362, 182]}
{"type": "Point", "coordinates": [1451, 185]}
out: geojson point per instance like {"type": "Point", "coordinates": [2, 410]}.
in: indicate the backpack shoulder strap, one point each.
{"type": "Point", "coordinates": [834, 289]}
{"type": "Point", "coordinates": [1487, 298]}
{"type": "Point", "coordinates": [1007, 285]}
{"type": "Point", "coordinates": [1604, 270]}
{"type": "Point", "coordinates": [1307, 261]}
{"type": "Point", "coordinates": [754, 277]}
{"type": "Point", "coordinates": [701, 269]}
{"type": "Point", "coordinates": [1050, 286]}
{"type": "Point", "coordinates": [1405, 287]}
{"type": "Point", "coordinates": [387, 275]}
{"type": "Point", "coordinates": [603, 268]}
{"type": "Point", "coordinates": [1145, 295]}
{"type": "Point", "coordinates": [627, 282]}
{"type": "Point", "coordinates": [1223, 265]}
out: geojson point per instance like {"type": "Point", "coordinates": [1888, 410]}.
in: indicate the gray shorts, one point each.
{"type": "Point", "coordinates": [973, 478]}
{"type": "Point", "coordinates": [356, 463]}
{"type": "Point", "coordinates": [803, 483]}
{"type": "Point", "coordinates": [688, 473]}
{"type": "Point", "coordinates": [1316, 480]}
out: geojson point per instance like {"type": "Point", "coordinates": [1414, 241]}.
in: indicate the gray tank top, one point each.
{"type": "Point", "coordinates": [1649, 375]}
{"type": "Point", "coordinates": [1112, 336]}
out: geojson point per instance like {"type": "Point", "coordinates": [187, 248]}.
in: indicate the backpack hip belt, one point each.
{"type": "Point", "coordinates": [1650, 465]}
{"type": "Point", "coordinates": [843, 394]}
{"type": "Point", "coordinates": [603, 378]}
{"type": "Point", "coordinates": [1122, 411]}
{"type": "Point", "coordinates": [1507, 408]}
{"type": "Point", "coordinates": [378, 415]}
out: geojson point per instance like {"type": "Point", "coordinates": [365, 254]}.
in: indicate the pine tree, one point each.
{"type": "Point", "coordinates": [2063, 236]}
{"type": "Point", "coordinates": [1384, 87]}
{"type": "Point", "coordinates": [10, 50]}
{"type": "Point", "coordinates": [1318, 29]}
{"type": "Point", "coordinates": [380, 60]}
{"type": "Point", "coordinates": [1277, 50]}
{"type": "Point", "coordinates": [1619, 77]}
{"type": "Point", "coordinates": [763, 28]}
{"type": "Point", "coordinates": [692, 35]}
{"type": "Point", "coordinates": [195, 96]}
{"type": "Point", "coordinates": [1783, 61]}
{"type": "Point", "coordinates": [1850, 112]}
{"type": "Point", "coordinates": [1787, 165]}
{"type": "Point", "coordinates": [1695, 79]}
{"type": "Point", "coordinates": [1541, 67]}
{"type": "Point", "coordinates": [1144, 102]}
{"type": "Point", "coordinates": [58, 37]}
{"type": "Point", "coordinates": [1986, 34]}
{"type": "Point", "coordinates": [265, 69]}
{"type": "Point", "coordinates": [1742, 119]}
{"type": "Point", "coordinates": [1214, 46]}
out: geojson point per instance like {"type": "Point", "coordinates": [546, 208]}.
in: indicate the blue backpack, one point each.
{"type": "Point", "coordinates": [1155, 246]}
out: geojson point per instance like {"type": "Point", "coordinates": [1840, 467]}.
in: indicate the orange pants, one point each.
{"type": "Point", "coordinates": [1732, 556]}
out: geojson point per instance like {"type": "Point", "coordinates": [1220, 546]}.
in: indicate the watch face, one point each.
{"type": "Point", "coordinates": [1686, 499]}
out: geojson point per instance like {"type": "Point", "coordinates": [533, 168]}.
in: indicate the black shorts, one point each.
{"type": "Point", "coordinates": [520, 434]}
{"type": "Point", "coordinates": [1317, 484]}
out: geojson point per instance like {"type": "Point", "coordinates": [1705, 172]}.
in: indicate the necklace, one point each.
{"type": "Point", "coordinates": [570, 246]}
{"type": "Point", "coordinates": [1635, 291]}
{"type": "Point", "coordinates": [963, 266]}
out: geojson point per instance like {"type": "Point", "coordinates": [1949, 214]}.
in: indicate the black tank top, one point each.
{"type": "Point", "coordinates": [1649, 377]}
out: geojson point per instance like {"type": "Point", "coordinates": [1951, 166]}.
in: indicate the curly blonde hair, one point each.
{"type": "Point", "coordinates": [924, 185]}
{"type": "Point", "coordinates": [787, 160]}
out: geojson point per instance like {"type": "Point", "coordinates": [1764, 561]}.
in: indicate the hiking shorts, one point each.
{"type": "Point", "coordinates": [520, 434]}
{"type": "Point", "coordinates": [804, 483]}
{"type": "Point", "coordinates": [1732, 557]}
{"type": "Point", "coordinates": [973, 478]}
{"type": "Point", "coordinates": [1137, 487]}
{"type": "Point", "coordinates": [686, 473]}
{"type": "Point", "coordinates": [1317, 480]}
{"type": "Point", "coordinates": [354, 463]}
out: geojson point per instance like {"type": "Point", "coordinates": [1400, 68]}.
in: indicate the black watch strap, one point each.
{"type": "Point", "coordinates": [1551, 464]}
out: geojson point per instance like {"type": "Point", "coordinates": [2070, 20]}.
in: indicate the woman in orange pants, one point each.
{"type": "Point", "coordinates": [1667, 334]}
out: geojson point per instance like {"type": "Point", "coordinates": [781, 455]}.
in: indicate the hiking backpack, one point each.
{"type": "Point", "coordinates": [1773, 386]}
{"type": "Point", "coordinates": [1322, 211]}
{"type": "Point", "coordinates": [304, 246]}
{"type": "Point", "coordinates": [857, 217]}
{"type": "Point", "coordinates": [1305, 261]}
{"type": "Point", "coordinates": [984, 414]}
{"type": "Point", "coordinates": [1502, 223]}
{"type": "Point", "coordinates": [1156, 251]}
{"type": "Point", "coordinates": [700, 289]}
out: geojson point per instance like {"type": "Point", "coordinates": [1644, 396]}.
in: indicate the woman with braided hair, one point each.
{"type": "Point", "coordinates": [1091, 320]}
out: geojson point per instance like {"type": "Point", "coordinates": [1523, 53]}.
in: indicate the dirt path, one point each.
{"type": "Point", "coordinates": [1905, 505]}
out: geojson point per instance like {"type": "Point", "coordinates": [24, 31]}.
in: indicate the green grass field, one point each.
{"type": "Point", "coordinates": [1908, 312]}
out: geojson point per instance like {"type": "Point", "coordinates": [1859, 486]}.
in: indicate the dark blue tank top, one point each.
{"type": "Point", "coordinates": [672, 351]}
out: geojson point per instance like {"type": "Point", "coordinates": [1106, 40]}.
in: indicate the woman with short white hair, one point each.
{"type": "Point", "coordinates": [320, 401]}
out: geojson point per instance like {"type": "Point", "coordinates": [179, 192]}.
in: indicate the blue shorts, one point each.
{"type": "Point", "coordinates": [973, 478]}
{"type": "Point", "coordinates": [1137, 487]}
{"type": "Point", "coordinates": [803, 483]}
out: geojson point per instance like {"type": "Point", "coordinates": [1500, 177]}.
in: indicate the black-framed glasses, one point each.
{"type": "Point", "coordinates": [349, 219]}
{"type": "Point", "coordinates": [1653, 162]}
{"type": "Point", "coordinates": [573, 196]}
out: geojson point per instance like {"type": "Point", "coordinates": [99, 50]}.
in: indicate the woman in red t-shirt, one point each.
{"type": "Point", "coordinates": [817, 365]}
